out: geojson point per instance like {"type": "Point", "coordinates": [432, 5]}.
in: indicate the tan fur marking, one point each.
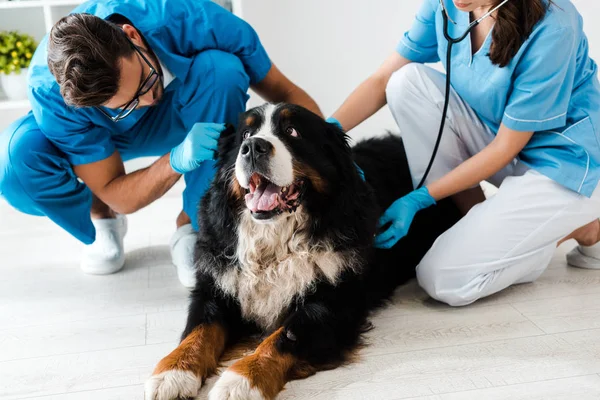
{"type": "Point", "coordinates": [198, 353]}
{"type": "Point", "coordinates": [305, 171]}
{"type": "Point", "coordinates": [267, 369]}
{"type": "Point", "coordinates": [285, 113]}
{"type": "Point", "coordinates": [236, 189]}
{"type": "Point", "coordinates": [250, 120]}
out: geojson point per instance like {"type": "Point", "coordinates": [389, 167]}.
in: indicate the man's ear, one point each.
{"type": "Point", "coordinates": [133, 34]}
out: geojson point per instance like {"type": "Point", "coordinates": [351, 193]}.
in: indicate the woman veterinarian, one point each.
{"type": "Point", "coordinates": [524, 114]}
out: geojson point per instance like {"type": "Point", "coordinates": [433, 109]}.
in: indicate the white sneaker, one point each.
{"type": "Point", "coordinates": [182, 254]}
{"type": "Point", "coordinates": [106, 255]}
{"type": "Point", "coordinates": [585, 257]}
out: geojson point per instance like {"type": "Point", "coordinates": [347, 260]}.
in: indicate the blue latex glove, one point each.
{"type": "Point", "coordinates": [199, 145]}
{"type": "Point", "coordinates": [335, 122]}
{"type": "Point", "coordinates": [401, 214]}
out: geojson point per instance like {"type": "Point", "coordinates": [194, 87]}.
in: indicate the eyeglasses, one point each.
{"type": "Point", "coordinates": [147, 85]}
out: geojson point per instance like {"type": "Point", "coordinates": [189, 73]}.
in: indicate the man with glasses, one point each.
{"type": "Point", "coordinates": [115, 81]}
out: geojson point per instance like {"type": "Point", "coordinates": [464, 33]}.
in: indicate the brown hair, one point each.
{"type": "Point", "coordinates": [84, 54]}
{"type": "Point", "coordinates": [515, 21]}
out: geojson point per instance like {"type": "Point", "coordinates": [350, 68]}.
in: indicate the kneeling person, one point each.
{"type": "Point", "coordinates": [117, 81]}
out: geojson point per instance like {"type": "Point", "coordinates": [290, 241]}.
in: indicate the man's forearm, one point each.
{"type": "Point", "coordinates": [132, 192]}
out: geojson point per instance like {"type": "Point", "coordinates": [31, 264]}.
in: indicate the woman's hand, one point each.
{"type": "Point", "coordinates": [497, 155]}
{"type": "Point", "coordinates": [399, 216]}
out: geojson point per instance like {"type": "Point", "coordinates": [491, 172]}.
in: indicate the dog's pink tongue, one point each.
{"type": "Point", "coordinates": [264, 198]}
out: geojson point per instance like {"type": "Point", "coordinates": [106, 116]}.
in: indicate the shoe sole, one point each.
{"type": "Point", "coordinates": [575, 258]}
{"type": "Point", "coordinates": [103, 269]}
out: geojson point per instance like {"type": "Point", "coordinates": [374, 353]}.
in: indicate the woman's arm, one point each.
{"type": "Point", "coordinates": [369, 96]}
{"type": "Point", "coordinates": [498, 154]}
{"type": "Point", "coordinates": [396, 220]}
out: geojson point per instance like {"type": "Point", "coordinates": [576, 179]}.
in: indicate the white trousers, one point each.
{"type": "Point", "coordinates": [509, 238]}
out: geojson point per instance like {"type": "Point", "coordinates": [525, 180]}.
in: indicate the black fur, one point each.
{"type": "Point", "coordinates": [323, 326]}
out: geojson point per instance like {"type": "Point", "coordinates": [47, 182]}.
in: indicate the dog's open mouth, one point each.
{"type": "Point", "coordinates": [267, 199]}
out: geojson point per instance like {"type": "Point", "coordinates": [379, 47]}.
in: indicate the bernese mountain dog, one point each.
{"type": "Point", "coordinates": [285, 250]}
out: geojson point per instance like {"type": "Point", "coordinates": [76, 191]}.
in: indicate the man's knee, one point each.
{"type": "Point", "coordinates": [230, 75]}
{"type": "Point", "coordinates": [224, 87]}
{"type": "Point", "coordinates": [21, 145]}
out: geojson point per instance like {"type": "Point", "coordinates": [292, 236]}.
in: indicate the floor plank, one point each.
{"type": "Point", "coordinates": [79, 372]}
{"type": "Point", "coordinates": [135, 392]}
{"type": "Point", "coordinates": [72, 337]}
{"type": "Point", "coordinates": [563, 314]}
{"type": "Point", "coordinates": [580, 388]}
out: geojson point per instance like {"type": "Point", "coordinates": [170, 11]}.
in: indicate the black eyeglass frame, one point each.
{"type": "Point", "coordinates": [130, 107]}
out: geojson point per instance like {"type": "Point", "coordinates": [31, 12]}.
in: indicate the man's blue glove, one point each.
{"type": "Point", "coordinates": [199, 145]}
{"type": "Point", "coordinates": [400, 214]}
{"type": "Point", "coordinates": [335, 122]}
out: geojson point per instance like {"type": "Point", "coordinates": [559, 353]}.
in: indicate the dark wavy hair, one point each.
{"type": "Point", "coordinates": [515, 21]}
{"type": "Point", "coordinates": [84, 55]}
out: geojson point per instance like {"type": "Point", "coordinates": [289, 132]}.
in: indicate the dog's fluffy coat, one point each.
{"type": "Point", "coordinates": [307, 276]}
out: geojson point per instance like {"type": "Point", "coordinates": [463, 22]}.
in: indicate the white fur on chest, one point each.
{"type": "Point", "coordinates": [274, 264]}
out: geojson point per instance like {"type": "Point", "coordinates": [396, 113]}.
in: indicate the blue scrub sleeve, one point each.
{"type": "Point", "coordinates": [81, 141]}
{"type": "Point", "coordinates": [206, 25]}
{"type": "Point", "coordinates": [543, 83]}
{"type": "Point", "coordinates": [419, 44]}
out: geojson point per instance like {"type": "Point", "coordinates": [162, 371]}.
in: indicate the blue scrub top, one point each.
{"type": "Point", "coordinates": [176, 31]}
{"type": "Point", "coordinates": [550, 87]}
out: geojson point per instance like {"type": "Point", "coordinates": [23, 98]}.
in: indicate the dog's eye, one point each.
{"type": "Point", "coordinates": [291, 131]}
{"type": "Point", "coordinates": [246, 134]}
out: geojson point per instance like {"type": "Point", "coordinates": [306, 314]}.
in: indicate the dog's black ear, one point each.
{"type": "Point", "coordinates": [226, 140]}
{"type": "Point", "coordinates": [338, 136]}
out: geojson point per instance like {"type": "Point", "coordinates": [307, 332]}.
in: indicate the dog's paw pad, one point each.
{"type": "Point", "coordinates": [172, 385]}
{"type": "Point", "coordinates": [232, 386]}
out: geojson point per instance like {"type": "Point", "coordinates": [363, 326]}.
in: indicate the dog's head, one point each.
{"type": "Point", "coordinates": [284, 157]}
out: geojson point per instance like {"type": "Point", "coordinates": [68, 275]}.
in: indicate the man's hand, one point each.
{"type": "Point", "coordinates": [127, 193]}
{"type": "Point", "coordinates": [199, 145]}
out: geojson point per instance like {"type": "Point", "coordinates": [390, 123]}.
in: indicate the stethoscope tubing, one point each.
{"type": "Point", "coordinates": [451, 41]}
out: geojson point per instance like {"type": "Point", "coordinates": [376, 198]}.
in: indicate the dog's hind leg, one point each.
{"type": "Point", "coordinates": [181, 373]}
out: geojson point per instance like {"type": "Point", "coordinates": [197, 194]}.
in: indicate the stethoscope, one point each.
{"type": "Point", "coordinates": [451, 41]}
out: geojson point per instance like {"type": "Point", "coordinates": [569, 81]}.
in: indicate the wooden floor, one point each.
{"type": "Point", "coordinates": [68, 336]}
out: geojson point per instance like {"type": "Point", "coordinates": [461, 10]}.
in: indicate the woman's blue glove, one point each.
{"type": "Point", "coordinates": [199, 145]}
{"type": "Point", "coordinates": [335, 122]}
{"type": "Point", "coordinates": [400, 214]}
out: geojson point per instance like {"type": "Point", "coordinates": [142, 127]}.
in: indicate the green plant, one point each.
{"type": "Point", "coordinates": [16, 50]}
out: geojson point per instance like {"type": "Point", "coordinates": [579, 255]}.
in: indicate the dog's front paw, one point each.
{"type": "Point", "coordinates": [172, 385]}
{"type": "Point", "coordinates": [232, 386]}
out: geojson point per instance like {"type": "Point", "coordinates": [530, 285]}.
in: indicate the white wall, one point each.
{"type": "Point", "coordinates": [329, 46]}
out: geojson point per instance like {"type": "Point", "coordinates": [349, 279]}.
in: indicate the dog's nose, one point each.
{"type": "Point", "coordinates": [256, 148]}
